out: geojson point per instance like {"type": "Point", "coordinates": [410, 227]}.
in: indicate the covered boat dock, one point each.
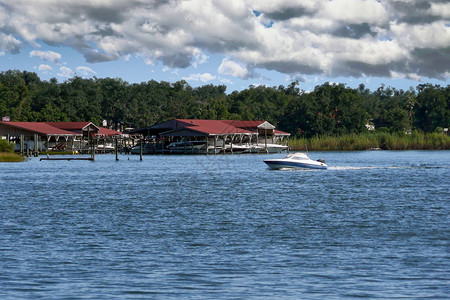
{"type": "Point", "coordinates": [192, 136]}
{"type": "Point", "coordinates": [32, 138]}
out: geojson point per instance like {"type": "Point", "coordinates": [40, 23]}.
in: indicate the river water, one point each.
{"type": "Point", "coordinates": [376, 224]}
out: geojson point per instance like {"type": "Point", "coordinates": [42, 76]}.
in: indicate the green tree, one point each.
{"type": "Point", "coordinates": [433, 107]}
{"type": "Point", "coordinates": [328, 110]}
{"type": "Point", "coordinates": [5, 146]}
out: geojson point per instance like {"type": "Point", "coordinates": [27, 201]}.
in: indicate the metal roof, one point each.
{"type": "Point", "coordinates": [39, 128]}
{"type": "Point", "coordinates": [213, 126]}
{"type": "Point", "coordinates": [107, 132]}
{"type": "Point", "coordinates": [217, 127]}
{"type": "Point", "coordinates": [59, 128]}
{"type": "Point", "coordinates": [209, 127]}
{"type": "Point", "coordinates": [71, 126]}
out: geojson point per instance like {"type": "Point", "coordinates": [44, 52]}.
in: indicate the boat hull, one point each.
{"type": "Point", "coordinates": [285, 164]}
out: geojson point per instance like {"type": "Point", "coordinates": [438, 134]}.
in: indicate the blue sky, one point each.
{"type": "Point", "coordinates": [238, 43]}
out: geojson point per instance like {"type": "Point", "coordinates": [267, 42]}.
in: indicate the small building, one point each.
{"type": "Point", "coordinates": [41, 136]}
{"type": "Point", "coordinates": [214, 136]}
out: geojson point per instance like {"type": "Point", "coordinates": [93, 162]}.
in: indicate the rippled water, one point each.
{"type": "Point", "coordinates": [376, 224]}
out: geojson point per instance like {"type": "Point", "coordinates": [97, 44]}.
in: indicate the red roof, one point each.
{"type": "Point", "coordinates": [39, 127]}
{"type": "Point", "coordinates": [69, 125]}
{"type": "Point", "coordinates": [107, 132]}
{"type": "Point", "coordinates": [223, 126]}
{"type": "Point", "coordinates": [244, 124]}
{"type": "Point", "coordinates": [59, 128]}
{"type": "Point", "coordinates": [212, 126]}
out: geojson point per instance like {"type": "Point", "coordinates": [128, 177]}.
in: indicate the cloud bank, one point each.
{"type": "Point", "coordinates": [386, 38]}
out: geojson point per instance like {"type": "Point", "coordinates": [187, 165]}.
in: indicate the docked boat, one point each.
{"type": "Point", "coordinates": [275, 148]}
{"type": "Point", "coordinates": [186, 145]}
{"type": "Point", "coordinates": [107, 147]}
{"type": "Point", "coordinates": [147, 148]}
{"type": "Point", "coordinates": [298, 160]}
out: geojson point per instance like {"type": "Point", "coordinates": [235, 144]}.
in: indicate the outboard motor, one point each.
{"type": "Point", "coordinates": [321, 160]}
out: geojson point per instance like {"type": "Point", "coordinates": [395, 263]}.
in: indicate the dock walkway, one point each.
{"type": "Point", "coordinates": [67, 158]}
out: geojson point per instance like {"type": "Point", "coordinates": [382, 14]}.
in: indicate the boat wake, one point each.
{"type": "Point", "coordinates": [341, 168]}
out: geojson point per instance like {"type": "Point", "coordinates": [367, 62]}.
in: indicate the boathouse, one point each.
{"type": "Point", "coordinates": [215, 136]}
{"type": "Point", "coordinates": [41, 136]}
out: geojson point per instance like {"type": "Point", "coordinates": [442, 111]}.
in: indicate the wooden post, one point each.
{"type": "Point", "coordinates": [92, 144]}
{"type": "Point", "coordinates": [21, 144]}
{"type": "Point", "coordinates": [141, 148]}
{"type": "Point", "coordinates": [231, 144]}
{"type": "Point", "coordinates": [287, 144]}
{"type": "Point", "coordinates": [224, 137]}
{"type": "Point", "coordinates": [215, 143]}
{"type": "Point", "coordinates": [265, 139]}
{"type": "Point", "coordinates": [93, 150]}
{"type": "Point", "coordinates": [89, 138]}
{"type": "Point", "coordinates": [116, 147]}
{"type": "Point", "coordinates": [36, 142]}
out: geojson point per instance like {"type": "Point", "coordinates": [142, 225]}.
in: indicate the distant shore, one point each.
{"type": "Point", "coordinates": [373, 141]}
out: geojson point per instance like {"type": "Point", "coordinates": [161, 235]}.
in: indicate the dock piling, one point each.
{"type": "Point", "coordinates": [116, 148]}
{"type": "Point", "coordinates": [140, 148]}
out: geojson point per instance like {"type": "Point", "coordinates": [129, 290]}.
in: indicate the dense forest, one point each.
{"type": "Point", "coordinates": [330, 109]}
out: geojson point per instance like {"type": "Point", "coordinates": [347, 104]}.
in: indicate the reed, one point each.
{"type": "Point", "coordinates": [366, 141]}
{"type": "Point", "coordinates": [10, 157]}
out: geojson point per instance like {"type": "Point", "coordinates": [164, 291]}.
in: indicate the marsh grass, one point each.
{"type": "Point", "coordinates": [382, 140]}
{"type": "Point", "coordinates": [10, 157]}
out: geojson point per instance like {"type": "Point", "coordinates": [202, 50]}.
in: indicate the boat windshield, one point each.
{"type": "Point", "coordinates": [298, 155]}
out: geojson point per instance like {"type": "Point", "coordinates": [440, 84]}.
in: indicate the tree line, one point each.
{"type": "Point", "coordinates": [330, 109]}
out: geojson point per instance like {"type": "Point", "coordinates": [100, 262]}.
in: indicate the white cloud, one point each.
{"type": "Point", "coordinates": [414, 76]}
{"type": "Point", "coordinates": [205, 77]}
{"type": "Point", "coordinates": [232, 68]}
{"type": "Point", "coordinates": [47, 55]}
{"type": "Point", "coordinates": [85, 71]}
{"type": "Point", "coordinates": [44, 68]}
{"type": "Point", "coordinates": [200, 58]}
{"type": "Point", "coordinates": [355, 11]}
{"type": "Point", "coordinates": [434, 35]}
{"type": "Point", "coordinates": [2, 53]}
{"type": "Point", "coordinates": [225, 80]}
{"type": "Point", "coordinates": [9, 43]}
{"type": "Point", "coordinates": [65, 72]}
{"type": "Point", "coordinates": [440, 9]}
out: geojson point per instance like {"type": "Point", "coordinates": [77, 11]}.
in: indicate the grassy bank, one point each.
{"type": "Point", "coordinates": [10, 157]}
{"type": "Point", "coordinates": [385, 141]}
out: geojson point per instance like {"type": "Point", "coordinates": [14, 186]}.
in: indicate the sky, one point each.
{"type": "Point", "coordinates": [237, 43]}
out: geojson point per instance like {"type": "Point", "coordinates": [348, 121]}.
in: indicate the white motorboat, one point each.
{"type": "Point", "coordinates": [275, 148]}
{"type": "Point", "coordinates": [252, 148]}
{"type": "Point", "coordinates": [298, 160]}
{"type": "Point", "coordinates": [186, 145]}
{"type": "Point", "coordinates": [107, 147]}
{"type": "Point", "coordinates": [147, 148]}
